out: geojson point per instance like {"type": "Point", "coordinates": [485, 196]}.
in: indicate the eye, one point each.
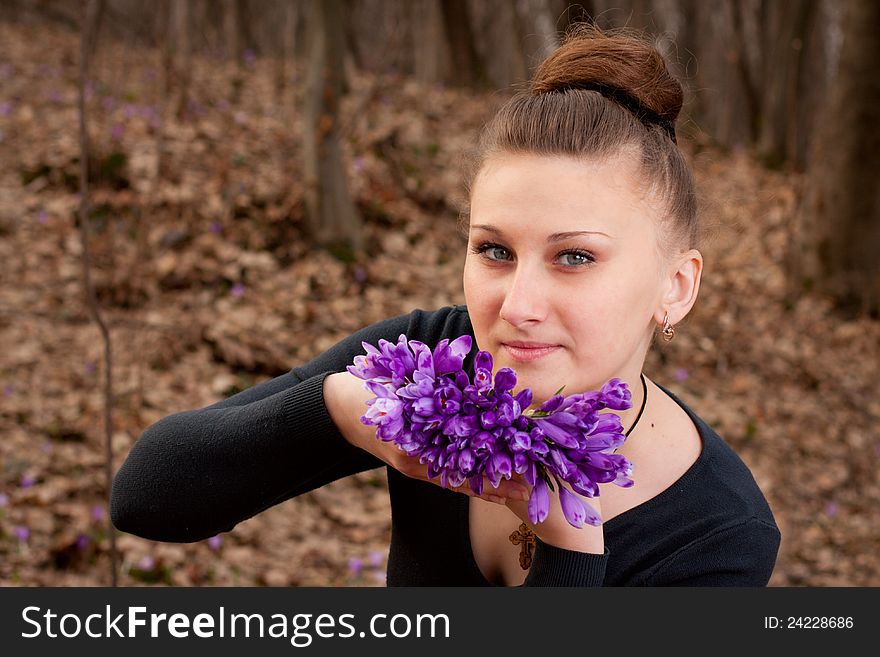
{"type": "Point", "coordinates": [492, 251]}
{"type": "Point", "coordinates": [576, 258]}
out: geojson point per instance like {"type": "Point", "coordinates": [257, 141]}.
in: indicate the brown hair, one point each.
{"type": "Point", "coordinates": [598, 95]}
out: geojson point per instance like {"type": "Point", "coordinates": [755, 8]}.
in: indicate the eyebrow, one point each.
{"type": "Point", "coordinates": [555, 237]}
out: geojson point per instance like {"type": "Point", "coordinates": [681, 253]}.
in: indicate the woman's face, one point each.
{"type": "Point", "coordinates": [562, 276]}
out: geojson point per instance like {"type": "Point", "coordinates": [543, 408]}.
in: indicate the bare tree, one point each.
{"type": "Point", "coordinates": [87, 38]}
{"type": "Point", "coordinates": [467, 69]}
{"type": "Point", "coordinates": [837, 250]}
{"type": "Point", "coordinates": [333, 217]}
{"type": "Point", "coordinates": [182, 48]}
{"type": "Point", "coordinates": [785, 35]}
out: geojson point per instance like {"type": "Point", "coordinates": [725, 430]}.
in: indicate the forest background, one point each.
{"type": "Point", "coordinates": [218, 250]}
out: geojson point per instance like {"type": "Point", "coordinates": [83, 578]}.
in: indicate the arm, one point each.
{"type": "Point", "coordinates": [565, 555]}
{"type": "Point", "coordinates": [196, 473]}
{"type": "Point", "coordinates": [742, 554]}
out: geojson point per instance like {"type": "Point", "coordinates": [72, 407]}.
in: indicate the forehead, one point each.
{"type": "Point", "coordinates": [560, 194]}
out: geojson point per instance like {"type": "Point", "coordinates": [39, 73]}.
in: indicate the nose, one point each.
{"type": "Point", "coordinates": [525, 299]}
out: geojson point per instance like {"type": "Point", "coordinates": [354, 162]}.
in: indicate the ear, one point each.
{"type": "Point", "coordinates": [682, 287]}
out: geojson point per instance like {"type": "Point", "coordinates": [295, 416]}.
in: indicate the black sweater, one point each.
{"type": "Point", "coordinates": [196, 473]}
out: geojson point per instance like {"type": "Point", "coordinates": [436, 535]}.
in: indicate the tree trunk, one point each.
{"type": "Point", "coordinates": [88, 38]}
{"type": "Point", "coordinates": [285, 56]}
{"type": "Point", "coordinates": [333, 218]}
{"type": "Point", "coordinates": [467, 69]}
{"type": "Point", "coordinates": [840, 239]}
{"type": "Point", "coordinates": [183, 58]}
{"type": "Point", "coordinates": [502, 41]}
{"type": "Point", "coordinates": [785, 35]}
{"type": "Point", "coordinates": [432, 58]}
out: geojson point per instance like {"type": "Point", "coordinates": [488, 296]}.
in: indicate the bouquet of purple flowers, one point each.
{"type": "Point", "coordinates": [463, 430]}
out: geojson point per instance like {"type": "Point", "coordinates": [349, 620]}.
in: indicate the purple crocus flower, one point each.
{"type": "Point", "coordinates": [355, 566]}
{"type": "Point", "coordinates": [215, 542]}
{"type": "Point", "coordinates": [97, 513]}
{"type": "Point", "coordinates": [617, 395]}
{"type": "Point", "coordinates": [539, 502]}
{"type": "Point", "coordinates": [464, 431]}
{"type": "Point", "coordinates": [575, 510]}
{"type": "Point", "coordinates": [27, 481]}
{"type": "Point", "coordinates": [237, 290]}
{"type": "Point", "coordinates": [22, 533]}
{"type": "Point", "coordinates": [82, 541]}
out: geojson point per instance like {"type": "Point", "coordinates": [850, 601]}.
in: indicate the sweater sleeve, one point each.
{"type": "Point", "coordinates": [741, 554]}
{"type": "Point", "coordinates": [555, 566]}
{"type": "Point", "coordinates": [196, 473]}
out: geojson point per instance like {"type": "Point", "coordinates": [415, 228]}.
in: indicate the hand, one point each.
{"type": "Point", "coordinates": [345, 397]}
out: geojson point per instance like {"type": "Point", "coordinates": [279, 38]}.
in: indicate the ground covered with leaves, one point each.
{"type": "Point", "coordinates": [210, 285]}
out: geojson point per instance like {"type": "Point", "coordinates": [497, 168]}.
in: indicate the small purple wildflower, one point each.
{"type": "Point", "coordinates": [5, 109]}
{"type": "Point", "coordinates": [147, 563]}
{"type": "Point", "coordinates": [82, 542]}
{"type": "Point", "coordinates": [4, 500]}
{"type": "Point", "coordinates": [215, 543]}
{"type": "Point", "coordinates": [43, 217]}
{"type": "Point", "coordinates": [216, 227]}
{"type": "Point", "coordinates": [90, 368]}
{"type": "Point", "coordinates": [249, 57]}
{"type": "Point", "coordinates": [379, 577]}
{"type": "Point", "coordinates": [375, 558]}
{"type": "Point", "coordinates": [358, 163]}
{"type": "Point", "coordinates": [681, 374]}
{"type": "Point", "coordinates": [97, 513]}
{"type": "Point", "coordinates": [27, 481]}
{"type": "Point", "coordinates": [117, 131]}
{"type": "Point", "coordinates": [427, 405]}
{"type": "Point", "coordinates": [355, 566]}
{"type": "Point", "coordinates": [22, 533]}
{"type": "Point", "coordinates": [360, 275]}
{"type": "Point", "coordinates": [237, 290]}
{"type": "Point", "coordinates": [832, 509]}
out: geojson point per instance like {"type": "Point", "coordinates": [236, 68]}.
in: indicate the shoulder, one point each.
{"type": "Point", "coordinates": [725, 479]}
{"type": "Point", "coordinates": [740, 553]}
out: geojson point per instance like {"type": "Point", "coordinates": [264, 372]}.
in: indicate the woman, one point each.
{"type": "Point", "coordinates": [581, 245]}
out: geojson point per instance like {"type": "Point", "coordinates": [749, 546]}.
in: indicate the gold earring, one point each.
{"type": "Point", "coordinates": [668, 329]}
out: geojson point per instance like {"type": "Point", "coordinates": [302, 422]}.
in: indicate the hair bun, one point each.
{"type": "Point", "coordinates": [621, 65]}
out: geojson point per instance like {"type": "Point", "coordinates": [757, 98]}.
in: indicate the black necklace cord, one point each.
{"type": "Point", "coordinates": [644, 401]}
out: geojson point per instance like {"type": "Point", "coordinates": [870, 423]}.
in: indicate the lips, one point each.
{"type": "Point", "coordinates": [526, 352]}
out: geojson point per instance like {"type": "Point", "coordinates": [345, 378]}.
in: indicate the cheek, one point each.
{"type": "Point", "coordinates": [479, 289]}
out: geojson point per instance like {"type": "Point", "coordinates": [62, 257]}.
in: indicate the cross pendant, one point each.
{"type": "Point", "coordinates": [525, 537]}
